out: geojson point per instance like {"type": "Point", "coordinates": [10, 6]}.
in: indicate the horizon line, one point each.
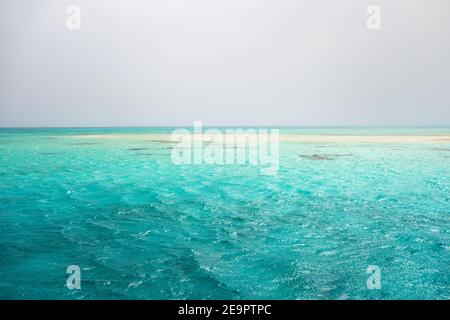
{"type": "Point", "coordinates": [228, 126]}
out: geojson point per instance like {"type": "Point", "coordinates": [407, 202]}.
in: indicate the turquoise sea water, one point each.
{"type": "Point", "coordinates": [141, 227]}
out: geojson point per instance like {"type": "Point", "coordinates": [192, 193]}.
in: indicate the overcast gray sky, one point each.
{"type": "Point", "coordinates": [225, 62]}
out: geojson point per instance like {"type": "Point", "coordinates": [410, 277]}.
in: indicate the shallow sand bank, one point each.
{"type": "Point", "coordinates": [159, 137]}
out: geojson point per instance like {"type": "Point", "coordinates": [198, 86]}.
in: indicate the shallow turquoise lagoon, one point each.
{"type": "Point", "coordinates": [141, 227]}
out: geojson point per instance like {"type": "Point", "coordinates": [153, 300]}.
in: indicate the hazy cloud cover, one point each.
{"type": "Point", "coordinates": [233, 62]}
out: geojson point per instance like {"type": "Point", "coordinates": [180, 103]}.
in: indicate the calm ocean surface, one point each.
{"type": "Point", "coordinates": [141, 227]}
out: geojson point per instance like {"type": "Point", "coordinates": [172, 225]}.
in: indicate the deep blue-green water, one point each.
{"type": "Point", "coordinates": [141, 227]}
